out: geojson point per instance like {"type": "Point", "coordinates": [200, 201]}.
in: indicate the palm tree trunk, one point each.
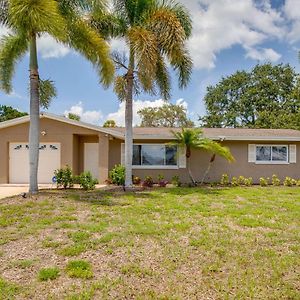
{"type": "Point", "coordinates": [34, 127]}
{"type": "Point", "coordinates": [128, 123]}
{"type": "Point", "coordinates": [189, 171]}
{"type": "Point", "coordinates": [212, 159]}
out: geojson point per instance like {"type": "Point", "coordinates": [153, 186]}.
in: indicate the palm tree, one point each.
{"type": "Point", "coordinates": [190, 138]}
{"type": "Point", "coordinates": [64, 21]}
{"type": "Point", "coordinates": [155, 32]}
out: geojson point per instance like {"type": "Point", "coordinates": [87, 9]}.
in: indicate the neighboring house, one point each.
{"type": "Point", "coordinates": [86, 147]}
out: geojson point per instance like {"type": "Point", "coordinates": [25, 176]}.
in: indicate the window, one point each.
{"type": "Point", "coordinates": [271, 154]}
{"type": "Point", "coordinates": [154, 155]}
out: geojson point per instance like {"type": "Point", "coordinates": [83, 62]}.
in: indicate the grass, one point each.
{"type": "Point", "coordinates": [79, 269]}
{"type": "Point", "coordinates": [172, 243]}
{"type": "Point", "coordinates": [48, 274]}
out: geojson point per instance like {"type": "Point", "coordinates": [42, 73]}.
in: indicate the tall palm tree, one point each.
{"type": "Point", "coordinates": [64, 21]}
{"type": "Point", "coordinates": [191, 138]}
{"type": "Point", "coordinates": [155, 32]}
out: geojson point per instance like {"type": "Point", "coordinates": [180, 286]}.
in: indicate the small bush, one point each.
{"type": "Point", "coordinates": [234, 181]}
{"type": "Point", "coordinates": [264, 181]}
{"type": "Point", "coordinates": [64, 177]}
{"type": "Point", "coordinates": [79, 269]}
{"type": "Point", "coordinates": [225, 180]}
{"type": "Point", "coordinates": [176, 181]}
{"type": "Point", "coordinates": [241, 180]}
{"type": "Point", "coordinates": [86, 181]}
{"type": "Point", "coordinates": [298, 182]}
{"type": "Point", "coordinates": [148, 182]}
{"type": "Point", "coordinates": [289, 181]}
{"type": "Point", "coordinates": [160, 180]}
{"type": "Point", "coordinates": [48, 274]}
{"type": "Point", "coordinates": [248, 181]}
{"type": "Point", "coordinates": [275, 180]}
{"type": "Point", "coordinates": [136, 180]}
{"type": "Point", "coordinates": [117, 175]}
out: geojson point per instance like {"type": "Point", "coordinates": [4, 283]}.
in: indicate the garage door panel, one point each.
{"type": "Point", "coordinates": [49, 160]}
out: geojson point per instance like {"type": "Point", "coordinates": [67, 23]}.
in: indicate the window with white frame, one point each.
{"type": "Point", "coordinates": [272, 154]}
{"type": "Point", "coordinates": [154, 155]}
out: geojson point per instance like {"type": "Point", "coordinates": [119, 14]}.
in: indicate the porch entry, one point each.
{"type": "Point", "coordinates": [91, 158]}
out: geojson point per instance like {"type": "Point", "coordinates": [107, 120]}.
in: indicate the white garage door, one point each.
{"type": "Point", "coordinates": [49, 161]}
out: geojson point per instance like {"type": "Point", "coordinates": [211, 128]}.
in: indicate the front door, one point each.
{"type": "Point", "coordinates": [91, 160]}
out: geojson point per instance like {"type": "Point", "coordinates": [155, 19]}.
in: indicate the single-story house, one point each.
{"type": "Point", "coordinates": [86, 147]}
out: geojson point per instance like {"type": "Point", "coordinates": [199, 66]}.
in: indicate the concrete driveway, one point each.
{"type": "Point", "coordinates": [8, 190]}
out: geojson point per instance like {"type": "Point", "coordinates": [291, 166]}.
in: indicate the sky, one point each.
{"type": "Point", "coordinates": [228, 35]}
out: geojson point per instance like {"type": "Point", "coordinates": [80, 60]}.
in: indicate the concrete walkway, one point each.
{"type": "Point", "coordinates": [8, 190]}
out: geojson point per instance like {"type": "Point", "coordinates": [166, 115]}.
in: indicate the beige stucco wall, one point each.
{"type": "Point", "coordinates": [200, 160]}
{"type": "Point", "coordinates": [70, 137]}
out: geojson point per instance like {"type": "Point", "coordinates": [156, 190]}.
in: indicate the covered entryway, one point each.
{"type": "Point", "coordinates": [49, 161]}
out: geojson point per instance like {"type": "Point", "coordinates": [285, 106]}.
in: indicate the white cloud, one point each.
{"type": "Point", "coordinates": [50, 48]}
{"type": "Point", "coordinates": [292, 13]}
{"type": "Point", "coordinates": [264, 54]}
{"type": "Point", "coordinates": [88, 116]}
{"type": "Point", "coordinates": [119, 115]}
{"type": "Point", "coordinates": [221, 24]}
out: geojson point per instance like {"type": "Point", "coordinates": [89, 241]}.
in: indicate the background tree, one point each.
{"type": "Point", "coordinates": [74, 117]}
{"type": "Point", "coordinates": [62, 19]}
{"type": "Point", "coordinates": [268, 96]}
{"type": "Point", "coordinates": [168, 115]}
{"type": "Point", "coordinates": [109, 123]}
{"type": "Point", "coordinates": [154, 32]}
{"type": "Point", "coordinates": [9, 113]}
{"type": "Point", "coordinates": [191, 138]}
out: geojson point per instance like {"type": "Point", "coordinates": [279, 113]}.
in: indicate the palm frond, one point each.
{"type": "Point", "coordinates": [12, 49]}
{"type": "Point", "coordinates": [37, 16]}
{"type": "Point", "coordinates": [120, 87]}
{"type": "Point", "coordinates": [162, 78]}
{"type": "Point", "coordinates": [4, 12]}
{"type": "Point", "coordinates": [47, 92]}
{"type": "Point", "coordinates": [87, 42]}
{"type": "Point", "coordinates": [143, 43]}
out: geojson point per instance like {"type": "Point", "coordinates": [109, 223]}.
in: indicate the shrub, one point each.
{"type": "Point", "coordinates": [79, 269]}
{"type": "Point", "coordinates": [241, 180]}
{"type": "Point", "coordinates": [289, 181]}
{"type": "Point", "coordinates": [48, 274]}
{"type": "Point", "coordinates": [175, 181]}
{"type": "Point", "coordinates": [136, 180]}
{"type": "Point", "coordinates": [86, 181]}
{"type": "Point", "coordinates": [148, 181]}
{"type": "Point", "coordinates": [275, 180]}
{"type": "Point", "coordinates": [225, 179]}
{"type": "Point", "coordinates": [64, 177]}
{"type": "Point", "coordinates": [161, 181]}
{"type": "Point", "coordinates": [117, 175]}
{"type": "Point", "coordinates": [298, 182]}
{"type": "Point", "coordinates": [248, 181]}
{"type": "Point", "coordinates": [234, 181]}
{"type": "Point", "coordinates": [264, 181]}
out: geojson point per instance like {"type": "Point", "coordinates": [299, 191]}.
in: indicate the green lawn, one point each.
{"type": "Point", "coordinates": [172, 243]}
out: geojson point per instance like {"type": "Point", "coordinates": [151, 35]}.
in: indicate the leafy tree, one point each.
{"type": "Point", "coordinates": [62, 19]}
{"type": "Point", "coordinates": [268, 96]}
{"type": "Point", "coordinates": [168, 115]}
{"type": "Point", "coordinates": [109, 123]}
{"type": "Point", "coordinates": [73, 117]}
{"type": "Point", "coordinates": [9, 113]}
{"type": "Point", "coordinates": [155, 33]}
{"type": "Point", "coordinates": [192, 138]}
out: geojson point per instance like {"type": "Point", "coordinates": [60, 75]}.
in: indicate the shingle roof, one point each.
{"type": "Point", "coordinates": [217, 133]}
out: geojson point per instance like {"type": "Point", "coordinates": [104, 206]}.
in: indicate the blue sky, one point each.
{"type": "Point", "coordinates": [228, 35]}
